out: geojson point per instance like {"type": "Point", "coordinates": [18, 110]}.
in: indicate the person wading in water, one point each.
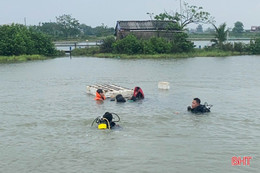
{"type": "Point", "coordinates": [100, 95]}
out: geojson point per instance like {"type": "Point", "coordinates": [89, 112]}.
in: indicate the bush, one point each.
{"type": "Point", "coordinates": [17, 40]}
{"type": "Point", "coordinates": [106, 46]}
{"type": "Point", "coordinates": [254, 46]}
{"type": "Point", "coordinates": [239, 47]}
{"type": "Point", "coordinates": [148, 48]}
{"type": "Point", "coordinates": [85, 51]}
{"type": "Point", "coordinates": [181, 44]}
{"type": "Point", "coordinates": [129, 45]}
{"type": "Point", "coordinates": [227, 47]}
{"type": "Point", "coordinates": [156, 45]}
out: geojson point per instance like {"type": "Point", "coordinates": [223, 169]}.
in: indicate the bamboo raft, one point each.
{"type": "Point", "coordinates": [110, 90]}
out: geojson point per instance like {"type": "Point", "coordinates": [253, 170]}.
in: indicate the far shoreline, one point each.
{"type": "Point", "coordinates": [215, 53]}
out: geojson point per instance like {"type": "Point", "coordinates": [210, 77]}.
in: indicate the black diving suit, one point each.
{"type": "Point", "coordinates": [198, 109]}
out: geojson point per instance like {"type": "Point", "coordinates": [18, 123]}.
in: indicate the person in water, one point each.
{"type": "Point", "coordinates": [100, 95]}
{"type": "Point", "coordinates": [138, 94]}
{"type": "Point", "coordinates": [196, 107]}
{"type": "Point", "coordinates": [120, 98]}
{"type": "Point", "coordinates": [107, 121]}
{"type": "Point", "coordinates": [109, 117]}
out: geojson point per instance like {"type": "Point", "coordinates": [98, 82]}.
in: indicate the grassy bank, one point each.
{"type": "Point", "coordinates": [21, 58]}
{"type": "Point", "coordinates": [196, 53]}
{"type": "Point", "coordinates": [162, 56]}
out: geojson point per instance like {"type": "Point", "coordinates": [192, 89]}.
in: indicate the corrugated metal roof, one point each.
{"type": "Point", "coordinates": [143, 25]}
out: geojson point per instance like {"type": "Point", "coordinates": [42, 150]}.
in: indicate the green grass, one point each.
{"type": "Point", "coordinates": [21, 58]}
{"type": "Point", "coordinates": [196, 53]}
{"type": "Point", "coordinates": [85, 51]}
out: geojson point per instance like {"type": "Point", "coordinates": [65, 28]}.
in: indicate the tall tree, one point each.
{"type": "Point", "coordinates": [238, 28]}
{"type": "Point", "coordinates": [220, 35]}
{"type": "Point", "coordinates": [86, 30]}
{"type": "Point", "coordinates": [69, 26]}
{"type": "Point", "coordinates": [199, 28]}
{"type": "Point", "coordinates": [103, 30]}
{"type": "Point", "coordinates": [189, 14]}
{"type": "Point", "coordinates": [50, 28]}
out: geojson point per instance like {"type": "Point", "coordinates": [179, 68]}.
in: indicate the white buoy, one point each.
{"type": "Point", "coordinates": [164, 85]}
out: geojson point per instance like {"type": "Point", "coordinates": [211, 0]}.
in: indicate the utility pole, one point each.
{"type": "Point", "coordinates": [25, 21]}
{"type": "Point", "coordinates": [181, 11]}
{"type": "Point", "coordinates": [180, 8]}
{"type": "Point", "coordinates": [151, 15]}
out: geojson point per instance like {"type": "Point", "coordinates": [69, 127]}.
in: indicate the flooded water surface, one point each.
{"type": "Point", "coordinates": [46, 116]}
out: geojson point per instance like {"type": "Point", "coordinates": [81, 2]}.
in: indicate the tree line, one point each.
{"type": "Point", "coordinates": [67, 27]}
{"type": "Point", "coordinates": [237, 30]}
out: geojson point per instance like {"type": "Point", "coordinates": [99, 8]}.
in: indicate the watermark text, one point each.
{"type": "Point", "coordinates": [237, 161]}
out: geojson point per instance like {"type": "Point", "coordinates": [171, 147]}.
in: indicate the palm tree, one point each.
{"type": "Point", "coordinates": [220, 35]}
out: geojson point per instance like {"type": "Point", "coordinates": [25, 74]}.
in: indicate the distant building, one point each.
{"type": "Point", "coordinates": [255, 28]}
{"type": "Point", "coordinates": [145, 29]}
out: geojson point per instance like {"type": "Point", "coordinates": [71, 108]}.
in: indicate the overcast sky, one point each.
{"type": "Point", "coordinates": [96, 12]}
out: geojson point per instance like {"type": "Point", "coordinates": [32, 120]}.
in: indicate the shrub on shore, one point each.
{"type": "Point", "coordinates": [18, 40]}
{"type": "Point", "coordinates": [254, 46]}
{"type": "Point", "coordinates": [155, 45]}
{"type": "Point", "coordinates": [85, 51]}
{"type": "Point", "coordinates": [129, 45]}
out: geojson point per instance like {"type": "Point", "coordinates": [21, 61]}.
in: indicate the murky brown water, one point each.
{"type": "Point", "coordinates": [46, 116]}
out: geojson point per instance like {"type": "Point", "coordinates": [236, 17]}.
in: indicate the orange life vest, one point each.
{"type": "Point", "coordinates": [99, 97]}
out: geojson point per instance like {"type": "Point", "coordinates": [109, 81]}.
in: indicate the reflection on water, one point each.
{"type": "Point", "coordinates": [46, 116]}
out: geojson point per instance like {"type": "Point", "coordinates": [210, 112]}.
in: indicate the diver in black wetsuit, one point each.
{"type": "Point", "coordinates": [196, 107]}
{"type": "Point", "coordinates": [107, 121]}
{"type": "Point", "coordinates": [109, 117]}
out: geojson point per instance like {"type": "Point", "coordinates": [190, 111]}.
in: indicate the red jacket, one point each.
{"type": "Point", "coordinates": [138, 92]}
